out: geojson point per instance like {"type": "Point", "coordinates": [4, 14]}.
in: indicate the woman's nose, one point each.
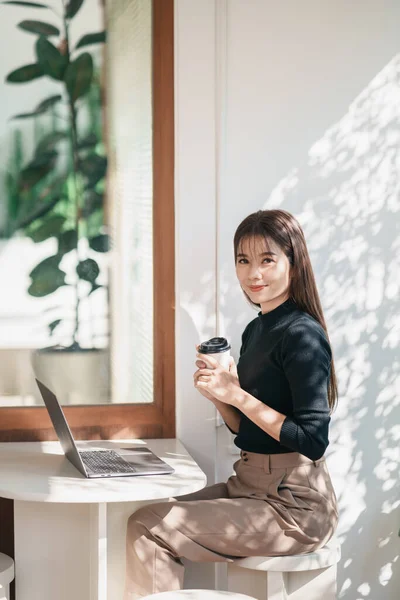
{"type": "Point", "coordinates": [255, 273]}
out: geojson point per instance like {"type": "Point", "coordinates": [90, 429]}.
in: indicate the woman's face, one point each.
{"type": "Point", "coordinates": [263, 273]}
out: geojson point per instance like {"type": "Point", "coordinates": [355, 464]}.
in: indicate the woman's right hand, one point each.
{"type": "Point", "coordinates": [233, 369]}
{"type": "Point", "coordinates": [202, 365]}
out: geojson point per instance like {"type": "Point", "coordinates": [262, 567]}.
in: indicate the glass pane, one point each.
{"type": "Point", "coordinates": [131, 174]}
{"type": "Point", "coordinates": [99, 180]}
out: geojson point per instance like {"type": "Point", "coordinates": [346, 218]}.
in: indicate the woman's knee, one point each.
{"type": "Point", "coordinates": [148, 515]}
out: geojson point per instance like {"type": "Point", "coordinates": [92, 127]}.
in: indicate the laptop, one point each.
{"type": "Point", "coordinates": [100, 463]}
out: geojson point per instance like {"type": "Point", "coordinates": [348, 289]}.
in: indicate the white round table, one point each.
{"type": "Point", "coordinates": [69, 531]}
{"type": "Point", "coordinates": [198, 595]}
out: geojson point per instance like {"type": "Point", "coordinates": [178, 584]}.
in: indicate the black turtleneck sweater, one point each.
{"type": "Point", "coordinates": [285, 363]}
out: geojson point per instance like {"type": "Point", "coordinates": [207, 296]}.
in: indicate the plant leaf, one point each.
{"type": "Point", "coordinates": [25, 73]}
{"type": "Point", "coordinates": [29, 4]}
{"type": "Point", "coordinates": [44, 287]}
{"type": "Point", "coordinates": [37, 169]}
{"type": "Point", "coordinates": [94, 167]}
{"type": "Point", "coordinates": [78, 76]}
{"type": "Point", "coordinates": [53, 188]}
{"type": "Point", "coordinates": [88, 270]}
{"type": "Point", "coordinates": [48, 229]}
{"type": "Point", "coordinates": [47, 279]}
{"type": "Point", "coordinates": [72, 8]}
{"type": "Point", "coordinates": [25, 115]}
{"type": "Point", "coordinates": [95, 220]}
{"type": "Point", "coordinates": [33, 208]}
{"type": "Point", "coordinates": [36, 214]}
{"type": "Point", "coordinates": [50, 308]}
{"type": "Point", "coordinates": [39, 27]}
{"type": "Point", "coordinates": [100, 243]}
{"type": "Point", "coordinates": [43, 159]}
{"type": "Point", "coordinates": [49, 102]}
{"type": "Point", "coordinates": [49, 141]}
{"type": "Point", "coordinates": [88, 142]}
{"type": "Point", "coordinates": [95, 286]}
{"type": "Point", "coordinates": [14, 199]}
{"type": "Point", "coordinates": [91, 38]}
{"type": "Point", "coordinates": [93, 201]}
{"type": "Point", "coordinates": [41, 108]}
{"type": "Point", "coordinates": [52, 62]}
{"type": "Point", "coordinates": [67, 241]}
{"type": "Point", "coordinates": [53, 325]}
{"type": "Point", "coordinates": [49, 262]}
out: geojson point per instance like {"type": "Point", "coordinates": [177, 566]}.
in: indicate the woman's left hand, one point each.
{"type": "Point", "coordinates": [217, 381]}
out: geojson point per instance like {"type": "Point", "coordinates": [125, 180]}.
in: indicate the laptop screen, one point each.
{"type": "Point", "coordinates": [61, 426]}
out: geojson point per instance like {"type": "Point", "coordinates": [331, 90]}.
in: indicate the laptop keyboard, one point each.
{"type": "Point", "coordinates": [106, 461]}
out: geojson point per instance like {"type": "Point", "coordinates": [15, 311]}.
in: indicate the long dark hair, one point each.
{"type": "Point", "coordinates": [281, 227]}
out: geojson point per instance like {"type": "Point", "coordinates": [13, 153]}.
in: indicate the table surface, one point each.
{"type": "Point", "coordinates": [39, 472]}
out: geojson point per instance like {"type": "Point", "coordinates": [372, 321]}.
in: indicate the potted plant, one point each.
{"type": "Point", "coordinates": [59, 194]}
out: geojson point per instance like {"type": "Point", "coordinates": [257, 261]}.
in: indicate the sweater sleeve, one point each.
{"type": "Point", "coordinates": [306, 357]}
{"type": "Point", "coordinates": [245, 336]}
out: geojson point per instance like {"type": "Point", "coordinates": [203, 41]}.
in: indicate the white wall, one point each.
{"type": "Point", "coordinates": [195, 216]}
{"type": "Point", "coordinates": [299, 109]}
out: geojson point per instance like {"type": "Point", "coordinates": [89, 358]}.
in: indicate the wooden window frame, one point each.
{"type": "Point", "coordinates": [157, 419]}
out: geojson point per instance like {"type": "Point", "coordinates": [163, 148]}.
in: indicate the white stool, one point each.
{"type": "Point", "coordinates": [304, 576]}
{"type": "Point", "coordinates": [6, 576]}
{"type": "Point", "coordinates": [197, 595]}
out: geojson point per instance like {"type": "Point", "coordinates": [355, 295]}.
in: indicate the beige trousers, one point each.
{"type": "Point", "coordinates": [275, 505]}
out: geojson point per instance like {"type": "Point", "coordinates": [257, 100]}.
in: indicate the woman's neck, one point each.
{"type": "Point", "coordinates": [266, 307]}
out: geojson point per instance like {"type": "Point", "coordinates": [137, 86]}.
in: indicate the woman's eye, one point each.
{"type": "Point", "coordinates": [244, 261]}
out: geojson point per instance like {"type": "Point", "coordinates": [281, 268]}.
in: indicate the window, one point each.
{"type": "Point", "coordinates": [140, 322]}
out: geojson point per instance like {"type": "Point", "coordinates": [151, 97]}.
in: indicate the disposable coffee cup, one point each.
{"type": "Point", "coordinates": [219, 349]}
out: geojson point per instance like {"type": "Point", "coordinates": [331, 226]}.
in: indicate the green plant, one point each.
{"type": "Point", "coordinates": [45, 202]}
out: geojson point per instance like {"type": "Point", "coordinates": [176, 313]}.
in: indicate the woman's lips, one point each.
{"type": "Point", "coordinates": [257, 288]}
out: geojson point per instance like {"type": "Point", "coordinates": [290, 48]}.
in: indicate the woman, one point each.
{"type": "Point", "coordinates": [278, 403]}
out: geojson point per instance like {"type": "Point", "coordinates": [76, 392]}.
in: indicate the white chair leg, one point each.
{"type": "Point", "coordinates": [276, 586]}
{"type": "Point", "coordinates": [4, 592]}
{"type": "Point", "coordinates": [313, 585]}
{"type": "Point", "coordinates": [245, 581]}
{"type": "Point", "coordinates": [261, 585]}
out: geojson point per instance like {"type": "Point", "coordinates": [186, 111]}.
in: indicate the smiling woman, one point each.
{"type": "Point", "coordinates": [278, 403]}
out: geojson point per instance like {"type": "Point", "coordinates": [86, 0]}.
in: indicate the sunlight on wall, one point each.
{"type": "Point", "coordinates": [348, 190]}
